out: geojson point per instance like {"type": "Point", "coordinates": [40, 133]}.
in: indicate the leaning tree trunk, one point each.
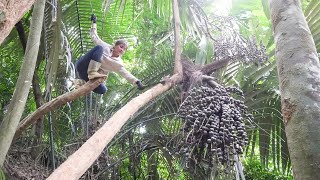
{"type": "Point", "coordinates": [299, 78]}
{"type": "Point", "coordinates": [16, 106]}
{"type": "Point", "coordinates": [11, 11]}
{"type": "Point", "coordinates": [82, 159]}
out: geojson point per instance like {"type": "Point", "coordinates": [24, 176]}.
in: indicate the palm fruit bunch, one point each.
{"type": "Point", "coordinates": [214, 128]}
{"type": "Point", "coordinates": [240, 49]}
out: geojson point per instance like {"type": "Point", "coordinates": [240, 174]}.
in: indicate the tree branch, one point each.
{"type": "Point", "coordinates": [57, 102]}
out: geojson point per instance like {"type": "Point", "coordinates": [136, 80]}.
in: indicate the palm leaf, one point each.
{"type": "Point", "coordinates": [313, 19]}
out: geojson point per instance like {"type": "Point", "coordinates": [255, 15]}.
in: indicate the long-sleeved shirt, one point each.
{"type": "Point", "coordinates": [109, 63]}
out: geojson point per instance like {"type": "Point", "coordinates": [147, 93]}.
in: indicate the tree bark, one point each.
{"type": "Point", "coordinates": [11, 11]}
{"type": "Point", "coordinates": [16, 106]}
{"type": "Point", "coordinates": [298, 70]}
{"type": "Point", "coordinates": [82, 159]}
{"type": "Point", "coordinates": [177, 24]}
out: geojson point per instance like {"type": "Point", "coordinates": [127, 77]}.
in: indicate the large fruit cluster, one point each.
{"type": "Point", "coordinates": [240, 49]}
{"type": "Point", "coordinates": [214, 129]}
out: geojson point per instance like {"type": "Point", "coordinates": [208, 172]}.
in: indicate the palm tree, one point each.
{"type": "Point", "coordinates": [150, 22]}
{"type": "Point", "coordinates": [297, 64]}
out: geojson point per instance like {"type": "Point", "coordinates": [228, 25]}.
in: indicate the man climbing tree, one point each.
{"type": "Point", "coordinates": [102, 59]}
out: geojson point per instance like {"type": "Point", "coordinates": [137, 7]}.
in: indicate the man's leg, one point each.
{"type": "Point", "coordinates": [95, 64]}
{"type": "Point", "coordinates": [101, 89]}
{"type": "Point", "coordinates": [89, 64]}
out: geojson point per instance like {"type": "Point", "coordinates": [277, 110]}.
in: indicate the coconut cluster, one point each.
{"type": "Point", "coordinates": [214, 128]}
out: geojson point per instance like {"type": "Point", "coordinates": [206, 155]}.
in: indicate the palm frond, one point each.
{"type": "Point", "coordinates": [313, 18]}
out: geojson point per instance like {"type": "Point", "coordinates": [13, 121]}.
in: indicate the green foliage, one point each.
{"type": "Point", "coordinates": [2, 175]}
{"type": "Point", "coordinates": [255, 22]}
{"type": "Point", "coordinates": [11, 61]}
{"type": "Point", "coordinates": [255, 171]}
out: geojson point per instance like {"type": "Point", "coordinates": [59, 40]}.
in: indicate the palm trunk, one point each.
{"type": "Point", "coordinates": [177, 49]}
{"type": "Point", "coordinates": [16, 106]}
{"type": "Point", "coordinates": [298, 70]}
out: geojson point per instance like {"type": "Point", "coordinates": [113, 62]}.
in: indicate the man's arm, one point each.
{"type": "Point", "coordinates": [129, 77]}
{"type": "Point", "coordinates": [94, 35]}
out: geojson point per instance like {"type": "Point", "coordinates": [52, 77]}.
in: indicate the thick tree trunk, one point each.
{"type": "Point", "coordinates": [82, 159]}
{"type": "Point", "coordinates": [299, 78]}
{"type": "Point", "coordinates": [11, 11]}
{"type": "Point", "coordinates": [16, 106]}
